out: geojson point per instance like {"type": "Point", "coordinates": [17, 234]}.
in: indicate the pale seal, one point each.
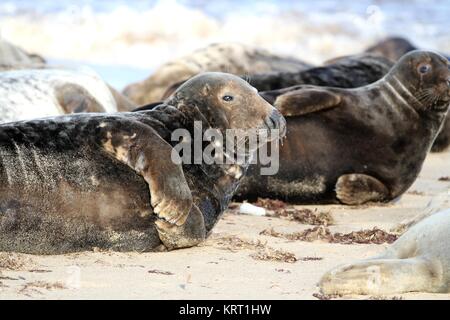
{"type": "Point", "coordinates": [418, 261]}
{"type": "Point", "coordinates": [12, 57]}
{"type": "Point", "coordinates": [29, 94]}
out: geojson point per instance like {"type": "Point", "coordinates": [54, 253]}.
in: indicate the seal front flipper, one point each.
{"type": "Point", "coordinates": [306, 100]}
{"type": "Point", "coordinates": [355, 189]}
{"type": "Point", "coordinates": [191, 233]}
{"type": "Point", "coordinates": [75, 99]}
{"type": "Point", "coordinates": [141, 148]}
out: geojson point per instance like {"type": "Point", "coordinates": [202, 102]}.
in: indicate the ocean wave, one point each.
{"type": "Point", "coordinates": [146, 34]}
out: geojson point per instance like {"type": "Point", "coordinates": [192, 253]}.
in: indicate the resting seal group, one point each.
{"type": "Point", "coordinates": [234, 58]}
{"type": "Point", "coordinates": [75, 174]}
{"type": "Point", "coordinates": [74, 182]}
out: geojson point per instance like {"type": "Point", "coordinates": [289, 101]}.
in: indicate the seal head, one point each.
{"type": "Point", "coordinates": [227, 102]}
{"type": "Point", "coordinates": [426, 75]}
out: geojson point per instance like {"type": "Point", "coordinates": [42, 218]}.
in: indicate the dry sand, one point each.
{"type": "Point", "coordinates": [228, 265]}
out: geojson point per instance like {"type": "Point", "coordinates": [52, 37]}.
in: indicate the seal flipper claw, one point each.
{"type": "Point", "coordinates": [355, 189]}
{"type": "Point", "coordinates": [306, 100]}
{"type": "Point", "coordinates": [191, 233]}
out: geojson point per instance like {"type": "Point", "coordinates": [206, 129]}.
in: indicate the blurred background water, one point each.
{"type": "Point", "coordinates": [124, 40]}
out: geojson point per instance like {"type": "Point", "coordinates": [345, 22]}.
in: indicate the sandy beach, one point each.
{"type": "Point", "coordinates": [246, 257]}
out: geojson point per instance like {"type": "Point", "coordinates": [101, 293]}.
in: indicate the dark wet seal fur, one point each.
{"type": "Point", "coordinates": [345, 72]}
{"type": "Point", "coordinates": [76, 182]}
{"type": "Point", "coordinates": [358, 145]}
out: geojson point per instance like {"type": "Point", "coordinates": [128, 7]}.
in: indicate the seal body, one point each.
{"type": "Point", "coordinates": [235, 58]}
{"type": "Point", "coordinates": [12, 57]}
{"type": "Point", "coordinates": [392, 48]}
{"type": "Point", "coordinates": [75, 182]}
{"type": "Point", "coordinates": [358, 145]}
{"type": "Point", "coordinates": [28, 94]}
{"type": "Point", "coordinates": [345, 72]}
{"type": "Point", "coordinates": [418, 261]}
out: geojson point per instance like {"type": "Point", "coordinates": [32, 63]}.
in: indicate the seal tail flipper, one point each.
{"type": "Point", "coordinates": [306, 100]}
{"type": "Point", "coordinates": [381, 277]}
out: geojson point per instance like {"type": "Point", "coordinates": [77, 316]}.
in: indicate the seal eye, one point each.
{"type": "Point", "coordinates": [424, 68]}
{"type": "Point", "coordinates": [227, 98]}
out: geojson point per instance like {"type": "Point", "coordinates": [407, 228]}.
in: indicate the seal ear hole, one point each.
{"type": "Point", "coordinates": [206, 89]}
{"type": "Point", "coordinates": [423, 68]}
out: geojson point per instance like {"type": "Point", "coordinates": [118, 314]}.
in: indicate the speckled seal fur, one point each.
{"type": "Point", "coordinates": [358, 145]}
{"type": "Point", "coordinates": [28, 94]}
{"type": "Point", "coordinates": [76, 182]}
{"type": "Point", "coordinates": [235, 58]}
{"type": "Point", "coordinates": [419, 261]}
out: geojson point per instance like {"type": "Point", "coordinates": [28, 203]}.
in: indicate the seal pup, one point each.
{"type": "Point", "coordinates": [235, 58]}
{"type": "Point", "coordinates": [88, 180]}
{"type": "Point", "coordinates": [418, 261]}
{"type": "Point", "coordinates": [358, 145]}
{"type": "Point", "coordinates": [29, 94]}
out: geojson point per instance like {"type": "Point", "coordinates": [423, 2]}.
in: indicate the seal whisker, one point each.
{"type": "Point", "coordinates": [428, 97]}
